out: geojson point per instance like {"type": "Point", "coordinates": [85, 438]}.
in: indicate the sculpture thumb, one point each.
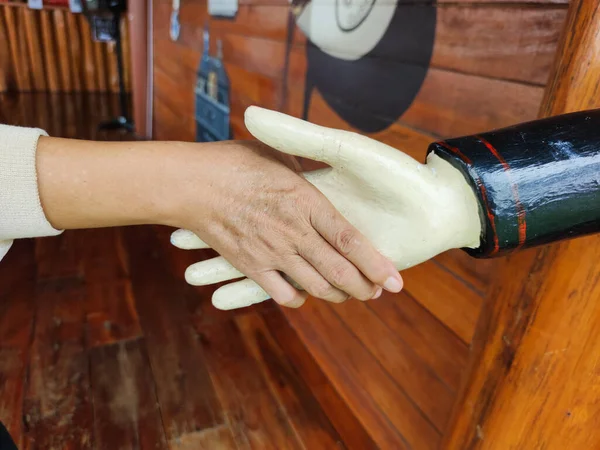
{"type": "Point", "coordinates": [343, 150]}
{"type": "Point", "coordinates": [295, 136]}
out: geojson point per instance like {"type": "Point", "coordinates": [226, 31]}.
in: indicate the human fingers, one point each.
{"type": "Point", "coordinates": [336, 269]}
{"type": "Point", "coordinates": [302, 274]}
{"type": "Point", "coordinates": [356, 248]}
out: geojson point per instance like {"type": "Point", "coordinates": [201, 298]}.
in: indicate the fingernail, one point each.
{"type": "Point", "coordinates": [377, 293]}
{"type": "Point", "coordinates": [393, 284]}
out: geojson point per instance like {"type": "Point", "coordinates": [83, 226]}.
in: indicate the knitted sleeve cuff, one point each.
{"type": "Point", "coordinates": [21, 213]}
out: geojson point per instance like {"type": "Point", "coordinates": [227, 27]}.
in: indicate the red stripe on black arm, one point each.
{"type": "Point", "coordinates": [456, 151]}
{"type": "Point", "coordinates": [521, 219]}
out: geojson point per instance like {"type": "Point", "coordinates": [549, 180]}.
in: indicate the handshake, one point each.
{"type": "Point", "coordinates": [409, 211]}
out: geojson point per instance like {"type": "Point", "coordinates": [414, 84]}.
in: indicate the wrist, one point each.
{"type": "Point", "coordinates": [187, 173]}
{"type": "Point", "coordinates": [84, 184]}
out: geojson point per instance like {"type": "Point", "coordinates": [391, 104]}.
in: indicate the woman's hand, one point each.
{"type": "Point", "coordinates": [277, 229]}
{"type": "Point", "coordinates": [238, 197]}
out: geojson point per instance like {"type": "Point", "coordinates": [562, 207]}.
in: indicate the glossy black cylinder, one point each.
{"type": "Point", "coordinates": [537, 182]}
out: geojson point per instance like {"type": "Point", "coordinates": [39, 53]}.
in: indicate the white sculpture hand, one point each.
{"type": "Point", "coordinates": [408, 210]}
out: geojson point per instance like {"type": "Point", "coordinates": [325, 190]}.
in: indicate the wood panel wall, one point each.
{"type": "Point", "coordinates": [490, 63]}
{"type": "Point", "coordinates": [52, 50]}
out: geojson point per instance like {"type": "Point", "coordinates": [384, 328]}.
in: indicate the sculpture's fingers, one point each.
{"type": "Point", "coordinates": [211, 271]}
{"type": "Point", "coordinates": [187, 240]}
{"type": "Point", "coordinates": [247, 292]}
{"type": "Point", "coordinates": [295, 136]}
{"type": "Point", "coordinates": [239, 295]}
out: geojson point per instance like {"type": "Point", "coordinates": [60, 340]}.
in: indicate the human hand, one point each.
{"type": "Point", "coordinates": [280, 231]}
{"type": "Point", "coordinates": [409, 211]}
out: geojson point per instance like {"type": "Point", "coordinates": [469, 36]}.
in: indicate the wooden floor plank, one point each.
{"type": "Point", "coordinates": [126, 410]}
{"type": "Point", "coordinates": [103, 256]}
{"type": "Point", "coordinates": [17, 289]}
{"type": "Point", "coordinates": [59, 257]}
{"type": "Point", "coordinates": [184, 387]}
{"type": "Point", "coordinates": [436, 345]}
{"type": "Point", "coordinates": [445, 296]}
{"type": "Point", "coordinates": [309, 422]}
{"type": "Point", "coordinates": [253, 414]}
{"type": "Point", "coordinates": [13, 369]}
{"type": "Point", "coordinates": [386, 412]}
{"type": "Point", "coordinates": [57, 407]}
{"type": "Point", "coordinates": [219, 438]}
{"type": "Point", "coordinates": [352, 432]}
{"type": "Point", "coordinates": [415, 378]}
{"type": "Point", "coordinates": [111, 314]}
{"type": "Point", "coordinates": [476, 272]}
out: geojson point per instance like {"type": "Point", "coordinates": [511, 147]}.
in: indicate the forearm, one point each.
{"type": "Point", "coordinates": [85, 184]}
{"type": "Point", "coordinates": [536, 182]}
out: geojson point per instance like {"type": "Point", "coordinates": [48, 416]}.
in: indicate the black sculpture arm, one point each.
{"type": "Point", "coordinates": [536, 182]}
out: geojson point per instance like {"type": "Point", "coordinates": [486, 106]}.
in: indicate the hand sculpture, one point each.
{"type": "Point", "coordinates": [408, 210]}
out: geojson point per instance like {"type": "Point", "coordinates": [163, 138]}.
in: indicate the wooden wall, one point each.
{"type": "Point", "coordinates": [52, 50]}
{"type": "Point", "coordinates": [490, 63]}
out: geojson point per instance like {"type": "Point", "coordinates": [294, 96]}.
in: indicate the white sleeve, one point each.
{"type": "Point", "coordinates": [21, 213]}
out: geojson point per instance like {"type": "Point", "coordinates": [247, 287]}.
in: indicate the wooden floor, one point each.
{"type": "Point", "coordinates": [103, 345]}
